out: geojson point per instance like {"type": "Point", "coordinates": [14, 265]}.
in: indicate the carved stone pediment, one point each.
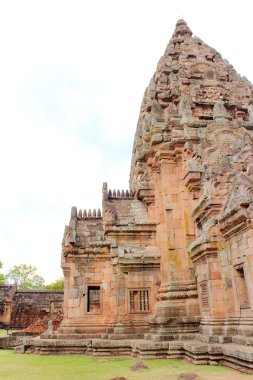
{"type": "Point", "coordinates": [109, 212]}
{"type": "Point", "coordinates": [235, 220]}
{"type": "Point", "coordinates": [69, 237]}
{"type": "Point", "coordinates": [141, 177]}
{"type": "Point", "coordinates": [220, 113]}
{"type": "Point", "coordinates": [241, 192]}
{"type": "Point", "coordinates": [236, 215]}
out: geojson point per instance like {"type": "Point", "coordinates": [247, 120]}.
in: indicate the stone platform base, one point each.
{"type": "Point", "coordinates": [232, 355]}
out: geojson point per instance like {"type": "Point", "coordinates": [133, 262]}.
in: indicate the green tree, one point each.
{"type": "Point", "coordinates": [2, 276]}
{"type": "Point", "coordinates": [25, 277]}
{"type": "Point", "coordinates": [57, 285]}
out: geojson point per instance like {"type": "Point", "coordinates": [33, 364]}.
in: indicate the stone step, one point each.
{"type": "Point", "coordinates": [241, 339]}
{"type": "Point", "coordinates": [230, 354]}
{"type": "Point", "coordinates": [214, 338]}
{"type": "Point", "coordinates": [124, 336]}
{"type": "Point", "coordinates": [71, 336]}
{"type": "Point", "coordinates": [160, 338]}
{"type": "Point", "coordinates": [238, 356]}
{"type": "Point", "coordinates": [196, 347]}
{"type": "Point", "coordinates": [169, 337]}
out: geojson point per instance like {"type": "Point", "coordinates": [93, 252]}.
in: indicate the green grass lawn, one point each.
{"type": "Point", "coordinates": [33, 367]}
{"type": "Point", "coordinates": [3, 332]}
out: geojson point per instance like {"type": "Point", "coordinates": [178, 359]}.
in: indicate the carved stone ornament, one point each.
{"type": "Point", "coordinates": [109, 212]}
{"type": "Point", "coordinates": [219, 111]}
{"type": "Point", "coordinates": [241, 192]}
{"type": "Point", "coordinates": [250, 111]}
{"type": "Point", "coordinates": [185, 111]}
{"type": "Point", "coordinates": [142, 178]}
{"type": "Point", "coordinates": [69, 236]}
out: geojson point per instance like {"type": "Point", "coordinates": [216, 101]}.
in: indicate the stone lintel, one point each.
{"type": "Point", "coordinates": [139, 265]}
{"type": "Point", "coordinates": [193, 180]}
{"type": "Point", "coordinates": [131, 230]}
{"type": "Point", "coordinates": [146, 195]}
{"type": "Point", "coordinates": [90, 256]}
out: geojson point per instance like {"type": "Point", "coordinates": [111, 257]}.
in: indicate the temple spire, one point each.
{"type": "Point", "coordinates": [182, 34]}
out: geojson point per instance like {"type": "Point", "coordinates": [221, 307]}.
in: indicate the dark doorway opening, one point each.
{"type": "Point", "coordinates": [93, 301]}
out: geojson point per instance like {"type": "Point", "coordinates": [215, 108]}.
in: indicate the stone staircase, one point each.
{"type": "Point", "coordinates": [234, 355]}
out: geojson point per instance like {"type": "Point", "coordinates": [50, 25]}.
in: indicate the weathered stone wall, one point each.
{"type": "Point", "coordinates": [6, 296]}
{"type": "Point", "coordinates": [21, 308]}
{"type": "Point", "coordinates": [114, 256]}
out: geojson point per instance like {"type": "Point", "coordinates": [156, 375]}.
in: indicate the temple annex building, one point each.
{"type": "Point", "coordinates": [166, 269]}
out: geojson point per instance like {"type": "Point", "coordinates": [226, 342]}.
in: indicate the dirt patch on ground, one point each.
{"type": "Point", "coordinates": [138, 366]}
{"type": "Point", "coordinates": [118, 378]}
{"type": "Point", "coordinates": [187, 376]}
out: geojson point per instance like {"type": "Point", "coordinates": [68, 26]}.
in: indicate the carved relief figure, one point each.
{"type": "Point", "coordinates": [185, 111]}
{"type": "Point", "coordinates": [109, 212]}
{"type": "Point", "coordinates": [219, 111]}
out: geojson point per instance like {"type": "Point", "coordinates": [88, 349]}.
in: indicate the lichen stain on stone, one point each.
{"type": "Point", "coordinates": [186, 223]}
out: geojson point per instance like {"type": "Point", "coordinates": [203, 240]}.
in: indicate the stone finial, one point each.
{"type": "Point", "coordinates": [114, 193]}
{"type": "Point", "coordinates": [127, 194]}
{"type": "Point", "coordinates": [110, 193]}
{"type": "Point", "coordinates": [182, 29]}
{"type": "Point", "coordinates": [99, 213]}
{"type": "Point", "coordinates": [73, 212]}
{"type": "Point", "coordinates": [80, 214]}
{"type": "Point", "coordinates": [105, 191]}
{"type": "Point", "coordinates": [94, 214]}
{"type": "Point", "coordinates": [118, 193]}
{"type": "Point", "coordinates": [89, 213]}
{"type": "Point", "coordinates": [85, 213]}
{"type": "Point", "coordinates": [122, 194]}
{"type": "Point", "coordinates": [250, 111]}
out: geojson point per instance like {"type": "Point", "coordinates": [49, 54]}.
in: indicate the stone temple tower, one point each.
{"type": "Point", "coordinates": [166, 269]}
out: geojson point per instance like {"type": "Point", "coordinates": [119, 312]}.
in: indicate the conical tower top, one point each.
{"type": "Point", "coordinates": [181, 29]}
{"type": "Point", "coordinates": [193, 88]}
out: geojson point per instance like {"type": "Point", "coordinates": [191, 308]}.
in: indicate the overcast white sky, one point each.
{"type": "Point", "coordinates": [72, 77]}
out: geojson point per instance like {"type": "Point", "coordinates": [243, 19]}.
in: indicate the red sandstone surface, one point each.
{"type": "Point", "coordinates": [41, 325]}
{"type": "Point", "coordinates": [19, 309]}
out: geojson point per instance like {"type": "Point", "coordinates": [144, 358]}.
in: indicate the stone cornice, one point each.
{"type": "Point", "coordinates": [203, 249]}
{"type": "Point", "coordinates": [206, 208]}
{"type": "Point", "coordinates": [136, 265]}
{"type": "Point", "coordinates": [131, 229]}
